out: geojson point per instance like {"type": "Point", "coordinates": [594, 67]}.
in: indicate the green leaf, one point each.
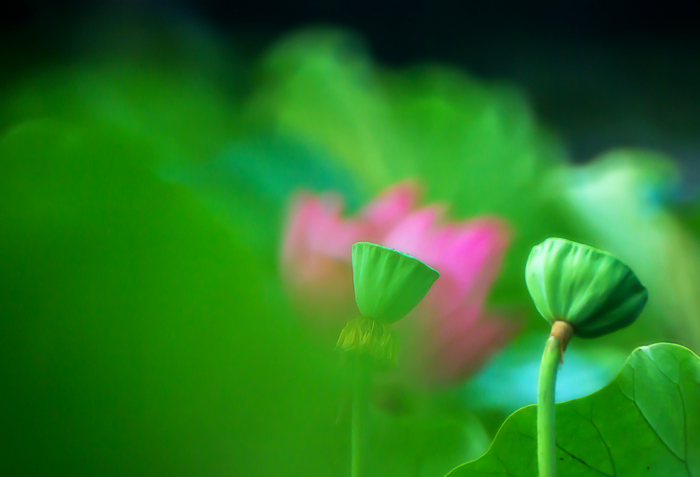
{"type": "Point", "coordinates": [645, 422]}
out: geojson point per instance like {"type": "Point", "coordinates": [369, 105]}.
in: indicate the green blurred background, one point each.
{"type": "Point", "coordinates": [148, 151]}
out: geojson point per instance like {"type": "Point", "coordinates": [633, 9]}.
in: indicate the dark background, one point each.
{"type": "Point", "coordinates": [123, 353]}
{"type": "Point", "coordinates": [602, 74]}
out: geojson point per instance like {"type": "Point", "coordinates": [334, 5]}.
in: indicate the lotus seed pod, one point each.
{"type": "Point", "coordinates": [590, 289]}
{"type": "Point", "coordinates": [388, 284]}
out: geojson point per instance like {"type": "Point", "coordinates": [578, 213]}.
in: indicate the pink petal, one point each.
{"type": "Point", "coordinates": [334, 236]}
{"type": "Point", "coordinates": [391, 207]}
{"type": "Point", "coordinates": [470, 349]}
{"type": "Point", "coordinates": [317, 245]}
{"type": "Point", "coordinates": [303, 215]}
{"type": "Point", "coordinates": [315, 258]}
{"type": "Point", "coordinates": [444, 327]}
{"type": "Point", "coordinates": [412, 234]}
{"type": "Point", "coordinates": [317, 226]}
{"type": "Point", "coordinates": [469, 262]}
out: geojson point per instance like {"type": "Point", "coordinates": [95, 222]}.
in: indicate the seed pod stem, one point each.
{"type": "Point", "coordinates": [546, 437]}
{"type": "Point", "coordinates": [360, 404]}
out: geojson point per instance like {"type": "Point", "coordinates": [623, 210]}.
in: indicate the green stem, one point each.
{"type": "Point", "coordinates": [360, 405]}
{"type": "Point", "coordinates": [546, 439]}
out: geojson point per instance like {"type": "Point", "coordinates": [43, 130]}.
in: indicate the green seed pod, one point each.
{"type": "Point", "coordinates": [388, 284]}
{"type": "Point", "coordinates": [590, 289]}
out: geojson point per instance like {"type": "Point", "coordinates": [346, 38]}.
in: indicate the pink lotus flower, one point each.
{"type": "Point", "coordinates": [450, 334]}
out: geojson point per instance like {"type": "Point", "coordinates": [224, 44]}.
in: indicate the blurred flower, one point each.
{"type": "Point", "coordinates": [316, 253]}
{"type": "Point", "coordinates": [450, 334]}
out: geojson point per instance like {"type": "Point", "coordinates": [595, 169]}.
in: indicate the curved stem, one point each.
{"type": "Point", "coordinates": [360, 403]}
{"type": "Point", "coordinates": [546, 439]}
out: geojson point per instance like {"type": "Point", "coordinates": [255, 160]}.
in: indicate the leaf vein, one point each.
{"type": "Point", "coordinates": [651, 426]}
{"type": "Point", "coordinates": [685, 428]}
{"type": "Point", "coordinates": [607, 447]}
{"type": "Point", "coordinates": [581, 461]}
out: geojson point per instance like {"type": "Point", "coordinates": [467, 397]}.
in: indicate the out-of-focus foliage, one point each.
{"type": "Point", "coordinates": [139, 336]}
{"type": "Point", "coordinates": [474, 145]}
{"type": "Point", "coordinates": [627, 203]}
{"type": "Point", "coordinates": [143, 191]}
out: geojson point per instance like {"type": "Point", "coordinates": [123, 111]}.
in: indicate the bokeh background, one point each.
{"type": "Point", "coordinates": [149, 154]}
